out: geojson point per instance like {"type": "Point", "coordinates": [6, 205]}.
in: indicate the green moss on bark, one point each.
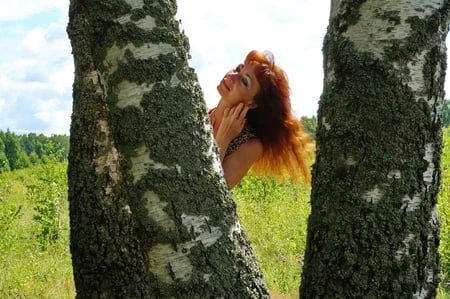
{"type": "Point", "coordinates": [371, 147]}
{"type": "Point", "coordinates": [170, 122]}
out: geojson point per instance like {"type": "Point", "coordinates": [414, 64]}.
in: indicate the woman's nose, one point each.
{"type": "Point", "coordinates": [232, 75]}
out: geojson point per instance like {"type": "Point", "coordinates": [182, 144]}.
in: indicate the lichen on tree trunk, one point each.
{"type": "Point", "coordinates": [151, 214]}
{"type": "Point", "coordinates": [373, 230]}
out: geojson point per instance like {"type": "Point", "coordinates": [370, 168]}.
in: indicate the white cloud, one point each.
{"type": "Point", "coordinates": [22, 9]}
{"type": "Point", "coordinates": [55, 114]}
{"type": "Point", "coordinates": [221, 35]}
{"type": "Point", "coordinates": [47, 44]}
{"type": "Point", "coordinates": [34, 41]}
{"type": "Point", "coordinates": [61, 80]}
{"type": "Point", "coordinates": [41, 71]}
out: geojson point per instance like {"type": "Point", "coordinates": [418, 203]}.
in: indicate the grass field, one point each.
{"type": "Point", "coordinates": [34, 231]}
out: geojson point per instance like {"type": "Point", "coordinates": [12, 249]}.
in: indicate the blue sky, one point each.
{"type": "Point", "coordinates": [36, 66]}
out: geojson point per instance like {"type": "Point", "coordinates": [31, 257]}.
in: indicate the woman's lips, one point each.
{"type": "Point", "coordinates": [225, 84]}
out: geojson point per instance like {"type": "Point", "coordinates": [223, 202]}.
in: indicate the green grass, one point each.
{"type": "Point", "coordinates": [35, 260]}
{"type": "Point", "coordinates": [444, 217]}
{"type": "Point", "coordinates": [27, 269]}
{"type": "Point", "coordinates": [274, 217]}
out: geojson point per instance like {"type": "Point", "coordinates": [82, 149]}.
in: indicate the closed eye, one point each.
{"type": "Point", "coordinates": [244, 81]}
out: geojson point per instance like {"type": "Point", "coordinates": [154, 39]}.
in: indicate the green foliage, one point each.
{"type": "Point", "coordinates": [310, 125]}
{"type": "Point", "coordinates": [47, 194]}
{"type": "Point", "coordinates": [34, 158]}
{"type": "Point", "coordinates": [9, 212]}
{"type": "Point", "coordinates": [21, 151]}
{"type": "Point", "coordinates": [274, 217]}
{"type": "Point", "coordinates": [26, 270]}
{"type": "Point", "coordinates": [444, 211]}
{"type": "Point", "coordinates": [4, 163]}
{"type": "Point", "coordinates": [22, 161]}
{"type": "Point", "coordinates": [12, 150]}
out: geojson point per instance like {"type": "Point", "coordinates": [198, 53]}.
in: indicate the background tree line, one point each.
{"type": "Point", "coordinates": [21, 151]}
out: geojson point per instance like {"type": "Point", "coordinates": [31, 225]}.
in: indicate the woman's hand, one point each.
{"type": "Point", "coordinates": [232, 123]}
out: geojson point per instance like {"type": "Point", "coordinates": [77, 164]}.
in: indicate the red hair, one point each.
{"type": "Point", "coordinates": [284, 140]}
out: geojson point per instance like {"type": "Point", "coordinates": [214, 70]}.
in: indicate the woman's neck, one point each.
{"type": "Point", "coordinates": [217, 113]}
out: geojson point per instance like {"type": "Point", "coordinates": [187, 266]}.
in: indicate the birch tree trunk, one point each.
{"type": "Point", "coordinates": [150, 212]}
{"type": "Point", "coordinates": [373, 230]}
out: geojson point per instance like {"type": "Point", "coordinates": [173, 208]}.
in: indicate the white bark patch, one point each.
{"type": "Point", "coordinates": [206, 234]}
{"type": "Point", "coordinates": [108, 162]}
{"type": "Point", "coordinates": [135, 3]}
{"type": "Point", "coordinates": [411, 204]}
{"type": "Point", "coordinates": [217, 166]}
{"type": "Point", "coordinates": [373, 196]}
{"type": "Point", "coordinates": [97, 79]}
{"type": "Point", "coordinates": [155, 208]}
{"type": "Point", "coordinates": [174, 81]}
{"type": "Point", "coordinates": [127, 209]}
{"type": "Point", "coordinates": [376, 194]}
{"type": "Point", "coordinates": [369, 34]}
{"type": "Point", "coordinates": [415, 66]}
{"type": "Point", "coordinates": [235, 229]}
{"type": "Point", "coordinates": [394, 174]}
{"type": "Point", "coordinates": [168, 264]}
{"type": "Point", "coordinates": [146, 51]}
{"type": "Point", "coordinates": [145, 23]}
{"type": "Point", "coordinates": [404, 251]}
{"type": "Point", "coordinates": [130, 94]}
{"type": "Point", "coordinates": [325, 124]}
{"type": "Point", "coordinates": [350, 161]}
{"type": "Point", "coordinates": [429, 154]}
{"type": "Point", "coordinates": [141, 163]}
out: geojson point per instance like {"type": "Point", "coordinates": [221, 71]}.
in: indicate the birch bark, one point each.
{"type": "Point", "coordinates": [151, 214]}
{"type": "Point", "coordinates": [373, 230]}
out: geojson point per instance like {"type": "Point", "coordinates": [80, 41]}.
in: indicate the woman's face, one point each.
{"type": "Point", "coordinates": [239, 85]}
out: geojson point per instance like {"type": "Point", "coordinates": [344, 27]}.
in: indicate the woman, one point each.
{"type": "Point", "coordinates": [253, 123]}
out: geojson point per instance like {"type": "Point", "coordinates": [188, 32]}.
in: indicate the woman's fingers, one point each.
{"type": "Point", "coordinates": [239, 111]}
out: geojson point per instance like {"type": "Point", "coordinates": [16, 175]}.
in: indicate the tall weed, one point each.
{"type": "Point", "coordinates": [46, 195]}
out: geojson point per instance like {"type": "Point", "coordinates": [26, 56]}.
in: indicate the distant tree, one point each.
{"type": "Point", "coordinates": [34, 158]}
{"type": "Point", "coordinates": [3, 137]}
{"type": "Point", "coordinates": [446, 113]}
{"type": "Point", "coordinates": [373, 231]}
{"type": "Point", "coordinates": [61, 146]}
{"type": "Point", "coordinates": [4, 163]}
{"type": "Point", "coordinates": [27, 143]}
{"type": "Point", "coordinates": [310, 125]}
{"type": "Point", "coordinates": [39, 142]}
{"type": "Point", "coordinates": [2, 145]}
{"type": "Point", "coordinates": [22, 161]}
{"type": "Point", "coordinates": [12, 149]}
